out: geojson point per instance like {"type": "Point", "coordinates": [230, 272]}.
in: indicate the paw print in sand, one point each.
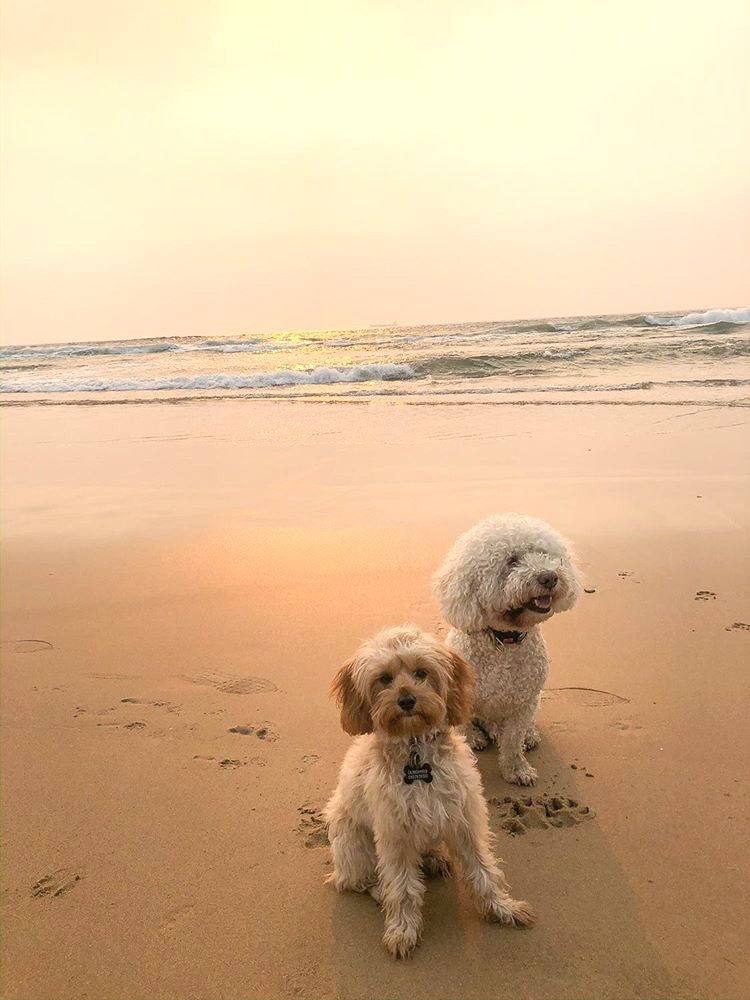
{"type": "Point", "coordinates": [263, 731]}
{"type": "Point", "coordinates": [539, 812]}
{"type": "Point", "coordinates": [312, 826]}
{"type": "Point", "coordinates": [56, 883]}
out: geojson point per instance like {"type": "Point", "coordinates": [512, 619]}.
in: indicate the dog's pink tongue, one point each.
{"type": "Point", "coordinates": [542, 602]}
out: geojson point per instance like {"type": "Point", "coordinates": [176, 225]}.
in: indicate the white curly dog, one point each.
{"type": "Point", "coordinates": [409, 785]}
{"type": "Point", "coordinates": [499, 582]}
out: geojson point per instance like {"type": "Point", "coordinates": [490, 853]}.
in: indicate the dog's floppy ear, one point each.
{"type": "Point", "coordinates": [355, 713]}
{"type": "Point", "coordinates": [456, 589]}
{"type": "Point", "coordinates": [572, 576]}
{"type": "Point", "coordinates": [461, 691]}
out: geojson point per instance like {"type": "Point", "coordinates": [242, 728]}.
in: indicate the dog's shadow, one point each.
{"type": "Point", "coordinates": [588, 942]}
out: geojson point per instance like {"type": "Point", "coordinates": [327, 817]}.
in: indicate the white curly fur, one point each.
{"type": "Point", "coordinates": [491, 579]}
{"type": "Point", "coordinates": [386, 834]}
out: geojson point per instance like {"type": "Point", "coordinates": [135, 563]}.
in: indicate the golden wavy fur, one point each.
{"type": "Point", "coordinates": [403, 662]}
{"type": "Point", "coordinates": [403, 692]}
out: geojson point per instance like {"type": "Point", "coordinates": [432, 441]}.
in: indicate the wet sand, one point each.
{"type": "Point", "coordinates": [181, 582]}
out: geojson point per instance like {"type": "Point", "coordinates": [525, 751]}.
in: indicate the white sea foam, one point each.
{"type": "Point", "coordinates": [499, 360]}
{"type": "Point", "coordinates": [87, 350]}
{"type": "Point", "coordinates": [251, 346]}
{"type": "Point", "coordinates": [707, 318]}
{"type": "Point", "coordinates": [258, 380]}
{"type": "Point", "coordinates": [563, 355]}
{"type": "Point", "coordinates": [236, 347]}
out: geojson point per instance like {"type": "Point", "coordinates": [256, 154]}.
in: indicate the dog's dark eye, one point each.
{"type": "Point", "coordinates": [385, 679]}
{"type": "Point", "coordinates": [420, 674]}
{"type": "Point", "coordinates": [512, 560]}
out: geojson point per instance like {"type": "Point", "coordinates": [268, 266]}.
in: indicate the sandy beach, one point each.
{"type": "Point", "coordinates": [180, 583]}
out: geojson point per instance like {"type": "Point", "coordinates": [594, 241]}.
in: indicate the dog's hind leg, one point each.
{"type": "Point", "coordinates": [532, 739]}
{"type": "Point", "coordinates": [436, 864]}
{"type": "Point", "coordinates": [476, 735]}
{"type": "Point", "coordinates": [354, 858]}
{"type": "Point", "coordinates": [513, 765]}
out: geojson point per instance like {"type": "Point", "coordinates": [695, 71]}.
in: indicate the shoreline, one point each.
{"type": "Point", "coordinates": [340, 399]}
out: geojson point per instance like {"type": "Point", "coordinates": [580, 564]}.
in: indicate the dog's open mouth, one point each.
{"type": "Point", "coordinates": [542, 605]}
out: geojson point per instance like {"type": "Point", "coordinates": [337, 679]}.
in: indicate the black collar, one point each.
{"type": "Point", "coordinates": [506, 638]}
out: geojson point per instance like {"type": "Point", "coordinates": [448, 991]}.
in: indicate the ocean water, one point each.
{"type": "Point", "coordinates": [701, 358]}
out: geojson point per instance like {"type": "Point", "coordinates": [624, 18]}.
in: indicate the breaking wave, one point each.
{"type": "Point", "coordinates": [606, 357]}
{"type": "Point", "coordinates": [710, 317]}
{"type": "Point", "coordinates": [87, 350]}
{"type": "Point", "coordinates": [259, 380]}
{"type": "Point", "coordinates": [129, 349]}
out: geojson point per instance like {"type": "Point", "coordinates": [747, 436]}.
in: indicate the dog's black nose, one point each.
{"type": "Point", "coordinates": [406, 702]}
{"type": "Point", "coordinates": [548, 579]}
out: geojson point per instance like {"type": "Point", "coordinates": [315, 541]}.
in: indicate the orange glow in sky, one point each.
{"type": "Point", "coordinates": [179, 167]}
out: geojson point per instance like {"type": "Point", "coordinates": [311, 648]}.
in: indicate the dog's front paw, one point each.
{"type": "Point", "coordinates": [520, 774]}
{"type": "Point", "coordinates": [503, 910]}
{"type": "Point", "coordinates": [401, 941]}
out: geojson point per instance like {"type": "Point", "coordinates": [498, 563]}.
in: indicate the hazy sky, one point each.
{"type": "Point", "coordinates": [183, 167]}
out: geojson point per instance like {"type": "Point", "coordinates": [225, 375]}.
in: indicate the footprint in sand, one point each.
{"type": "Point", "coordinates": [112, 724]}
{"type": "Point", "coordinates": [231, 684]}
{"type": "Point", "coordinates": [230, 763]}
{"type": "Point", "coordinates": [27, 645]}
{"type": "Point", "coordinates": [704, 595]}
{"type": "Point", "coordinates": [585, 696]}
{"type": "Point", "coordinates": [312, 826]}
{"type": "Point", "coordinates": [302, 983]}
{"type": "Point", "coordinates": [263, 731]}
{"type": "Point", "coordinates": [539, 812]}
{"type": "Point", "coordinates": [80, 710]}
{"type": "Point", "coordinates": [175, 916]}
{"type": "Point", "coordinates": [626, 725]}
{"type": "Point", "coordinates": [114, 677]}
{"type": "Point", "coordinates": [561, 726]}
{"type": "Point", "coordinates": [738, 627]}
{"type": "Point", "coordinates": [57, 883]}
{"type": "Point", "coordinates": [308, 760]}
{"type": "Point", "coordinates": [167, 705]}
